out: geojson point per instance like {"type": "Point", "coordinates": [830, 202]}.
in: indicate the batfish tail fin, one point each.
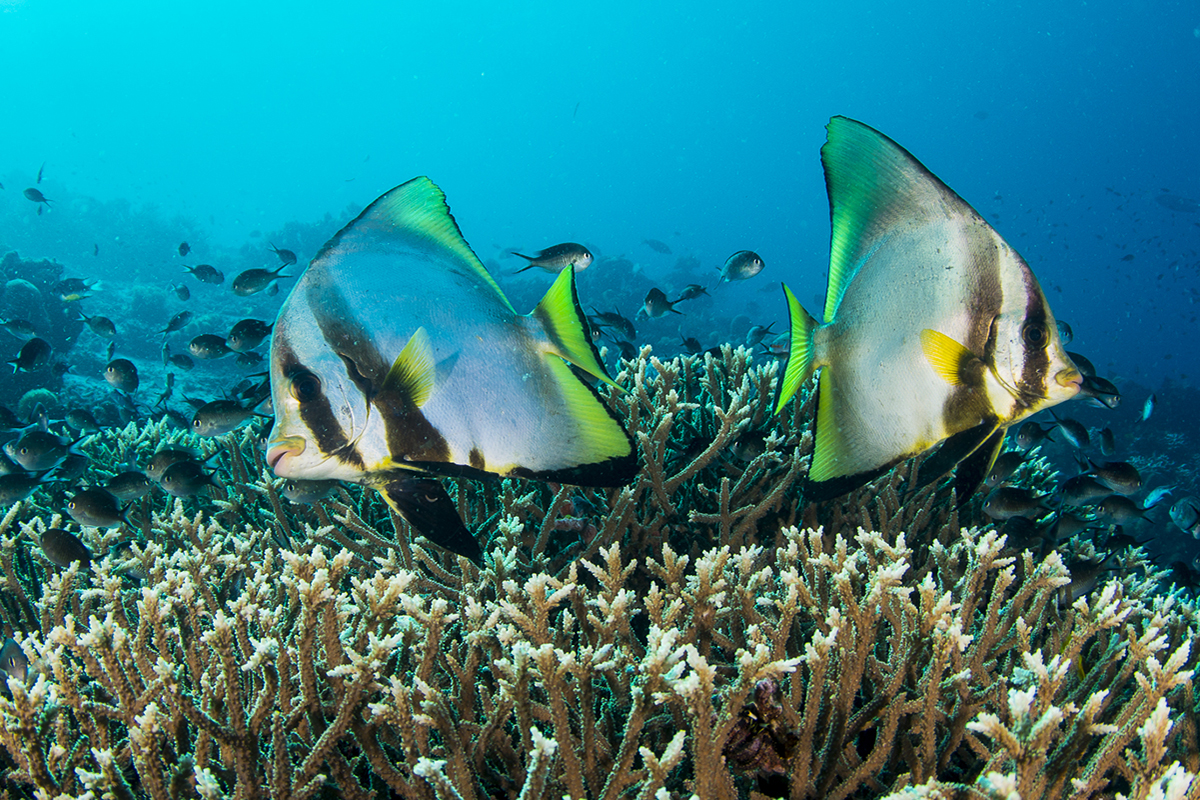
{"type": "Point", "coordinates": [426, 506]}
{"type": "Point", "coordinates": [800, 352]}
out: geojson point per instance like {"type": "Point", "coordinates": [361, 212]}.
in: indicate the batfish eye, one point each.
{"type": "Point", "coordinates": [305, 386]}
{"type": "Point", "coordinates": [1034, 335]}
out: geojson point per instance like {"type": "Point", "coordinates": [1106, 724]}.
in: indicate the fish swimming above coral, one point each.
{"type": "Point", "coordinates": [936, 330]}
{"type": "Point", "coordinates": [396, 357]}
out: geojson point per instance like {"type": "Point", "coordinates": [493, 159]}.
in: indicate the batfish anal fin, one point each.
{"type": "Point", "coordinates": [974, 469]}
{"type": "Point", "coordinates": [411, 378]}
{"type": "Point", "coordinates": [959, 447]}
{"type": "Point", "coordinates": [800, 351]}
{"type": "Point", "coordinates": [426, 506]}
{"type": "Point", "coordinates": [952, 361]}
{"type": "Point", "coordinates": [414, 214]}
{"type": "Point", "coordinates": [564, 322]}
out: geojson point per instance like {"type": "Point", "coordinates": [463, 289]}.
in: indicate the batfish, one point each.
{"type": "Point", "coordinates": [396, 357]}
{"type": "Point", "coordinates": [936, 330]}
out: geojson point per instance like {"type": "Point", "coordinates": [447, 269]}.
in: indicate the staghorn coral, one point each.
{"type": "Point", "coordinates": [684, 635]}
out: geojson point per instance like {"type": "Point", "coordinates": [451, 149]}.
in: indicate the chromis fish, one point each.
{"type": "Point", "coordinates": [13, 660]}
{"type": "Point", "coordinates": [32, 356]}
{"type": "Point", "coordinates": [691, 292]}
{"type": "Point", "coordinates": [122, 374]}
{"type": "Point", "coordinates": [286, 257]}
{"type": "Point", "coordinates": [64, 548]}
{"type": "Point", "coordinates": [101, 326]}
{"type": "Point", "coordinates": [656, 304]}
{"type": "Point", "coordinates": [936, 329]}
{"type": "Point", "coordinates": [559, 257]}
{"type": "Point", "coordinates": [208, 346]}
{"type": "Point", "coordinates": [742, 265]}
{"type": "Point", "coordinates": [206, 273]}
{"type": "Point", "coordinates": [253, 281]}
{"type": "Point", "coordinates": [36, 196]}
{"type": "Point", "coordinates": [381, 348]}
{"type": "Point", "coordinates": [247, 334]}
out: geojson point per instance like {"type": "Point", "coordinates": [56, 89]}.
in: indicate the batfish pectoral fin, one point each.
{"type": "Point", "coordinates": [564, 322]}
{"type": "Point", "coordinates": [953, 362]}
{"type": "Point", "coordinates": [986, 436]}
{"type": "Point", "coordinates": [974, 468]}
{"type": "Point", "coordinates": [411, 377]}
{"type": "Point", "coordinates": [426, 506]}
{"type": "Point", "coordinates": [800, 351]}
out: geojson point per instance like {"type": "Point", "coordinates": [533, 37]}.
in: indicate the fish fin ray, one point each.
{"type": "Point", "coordinates": [413, 372]}
{"type": "Point", "coordinates": [564, 322]}
{"type": "Point", "coordinates": [799, 366]}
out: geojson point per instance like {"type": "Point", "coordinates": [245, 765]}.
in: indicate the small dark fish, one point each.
{"type": "Point", "coordinates": [95, 250]}
{"type": "Point", "coordinates": [692, 344]}
{"type": "Point", "coordinates": [122, 374]}
{"type": "Point", "coordinates": [628, 351]}
{"type": "Point", "coordinates": [17, 486]}
{"type": "Point", "coordinates": [69, 286]}
{"type": "Point", "coordinates": [1083, 490]}
{"type": "Point", "coordinates": [1119, 476]}
{"type": "Point", "coordinates": [657, 246]}
{"type": "Point", "coordinates": [749, 446]}
{"type": "Point", "coordinates": [208, 346]}
{"type": "Point", "coordinates": [181, 291]}
{"type": "Point", "coordinates": [1031, 434]}
{"type": "Point", "coordinates": [248, 360]}
{"type": "Point", "coordinates": [657, 304]}
{"type": "Point", "coordinates": [613, 319]}
{"type": "Point", "coordinates": [286, 257]}
{"type": "Point", "coordinates": [38, 450]}
{"type": "Point", "coordinates": [177, 322]}
{"type": "Point", "coordinates": [1117, 508]}
{"type": "Point", "coordinates": [220, 417]}
{"type": "Point", "coordinates": [64, 548]}
{"type": "Point", "coordinates": [206, 273]}
{"type": "Point", "coordinates": [1012, 501]}
{"type": "Point", "coordinates": [1082, 364]}
{"type": "Point", "coordinates": [183, 361]}
{"type": "Point", "coordinates": [35, 196]}
{"type": "Point", "coordinates": [253, 281]}
{"type": "Point", "coordinates": [273, 289]}
{"type": "Point", "coordinates": [168, 390]}
{"type": "Point", "coordinates": [741, 265]}
{"type": "Point", "coordinates": [186, 479]}
{"type": "Point", "coordinates": [129, 485]}
{"type": "Point", "coordinates": [34, 355]}
{"type": "Point", "coordinates": [1002, 469]}
{"type": "Point", "coordinates": [757, 333]}
{"type": "Point", "coordinates": [82, 420]}
{"type": "Point", "coordinates": [1072, 430]}
{"type": "Point", "coordinates": [691, 292]}
{"type": "Point", "coordinates": [305, 492]}
{"type": "Point", "coordinates": [166, 457]}
{"type": "Point", "coordinates": [13, 660]}
{"type": "Point", "coordinates": [1108, 443]}
{"type": "Point", "coordinates": [41, 170]}
{"type": "Point", "coordinates": [559, 257]}
{"type": "Point", "coordinates": [101, 326]}
{"type": "Point", "coordinates": [20, 328]}
{"type": "Point", "coordinates": [1127, 257]}
{"type": "Point", "coordinates": [1067, 525]}
{"type": "Point", "coordinates": [109, 351]}
{"type": "Point", "coordinates": [1148, 408]}
{"type": "Point", "coordinates": [184, 248]}
{"type": "Point", "coordinates": [96, 508]}
{"type": "Point", "coordinates": [72, 468]}
{"type": "Point", "coordinates": [1102, 391]}
{"type": "Point", "coordinates": [248, 334]}
{"type": "Point", "coordinates": [1185, 513]}
{"type": "Point", "coordinates": [1064, 332]}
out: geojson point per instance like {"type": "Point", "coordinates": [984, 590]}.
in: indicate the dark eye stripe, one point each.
{"type": "Point", "coordinates": [317, 415]}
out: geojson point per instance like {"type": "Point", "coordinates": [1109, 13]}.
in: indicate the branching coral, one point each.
{"type": "Point", "coordinates": [679, 636]}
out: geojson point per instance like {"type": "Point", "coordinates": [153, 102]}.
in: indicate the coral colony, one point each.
{"type": "Point", "coordinates": [702, 632]}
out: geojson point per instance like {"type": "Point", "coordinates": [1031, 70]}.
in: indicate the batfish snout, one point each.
{"type": "Point", "coordinates": [280, 450]}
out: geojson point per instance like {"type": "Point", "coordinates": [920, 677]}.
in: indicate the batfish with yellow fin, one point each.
{"type": "Point", "coordinates": [396, 358]}
{"type": "Point", "coordinates": [936, 330]}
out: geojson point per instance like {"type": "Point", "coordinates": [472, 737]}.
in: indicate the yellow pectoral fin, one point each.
{"type": "Point", "coordinates": [949, 359]}
{"type": "Point", "coordinates": [411, 376]}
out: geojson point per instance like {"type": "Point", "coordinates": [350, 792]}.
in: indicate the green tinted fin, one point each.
{"type": "Point", "coordinates": [830, 444]}
{"type": "Point", "coordinates": [950, 360]}
{"type": "Point", "coordinates": [874, 185]}
{"type": "Point", "coordinates": [412, 216]}
{"type": "Point", "coordinates": [799, 366]}
{"type": "Point", "coordinates": [412, 374]}
{"type": "Point", "coordinates": [566, 326]}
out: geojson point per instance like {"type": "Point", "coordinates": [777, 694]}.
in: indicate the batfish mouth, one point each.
{"type": "Point", "coordinates": [1069, 378]}
{"type": "Point", "coordinates": [278, 449]}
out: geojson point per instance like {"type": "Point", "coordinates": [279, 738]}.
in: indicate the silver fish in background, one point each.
{"type": "Point", "coordinates": [558, 257]}
{"type": "Point", "coordinates": [397, 355]}
{"type": "Point", "coordinates": [936, 330]}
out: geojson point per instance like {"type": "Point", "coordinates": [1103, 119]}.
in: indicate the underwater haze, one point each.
{"type": "Point", "coordinates": [613, 123]}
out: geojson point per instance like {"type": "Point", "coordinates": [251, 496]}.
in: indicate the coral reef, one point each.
{"type": "Point", "coordinates": [701, 632]}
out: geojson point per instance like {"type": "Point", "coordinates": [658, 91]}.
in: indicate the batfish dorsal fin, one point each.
{"type": "Point", "coordinates": [563, 320]}
{"type": "Point", "coordinates": [412, 374]}
{"type": "Point", "coordinates": [412, 215]}
{"type": "Point", "coordinates": [874, 185]}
